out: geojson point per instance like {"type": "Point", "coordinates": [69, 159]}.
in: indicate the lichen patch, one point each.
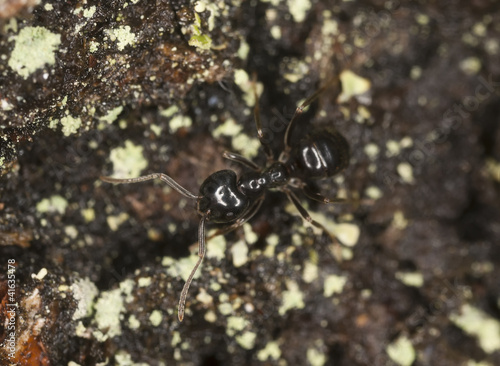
{"type": "Point", "coordinates": [34, 48]}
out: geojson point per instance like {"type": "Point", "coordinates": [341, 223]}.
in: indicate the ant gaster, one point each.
{"type": "Point", "coordinates": [225, 199]}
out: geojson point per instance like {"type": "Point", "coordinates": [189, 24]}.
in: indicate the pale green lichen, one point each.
{"type": "Point", "coordinates": [235, 324]}
{"type": "Point", "coordinates": [123, 358]}
{"type": "Point", "coordinates": [392, 148]}
{"type": "Point", "coordinates": [133, 322]}
{"type": "Point", "coordinates": [352, 85]}
{"type": "Point", "coordinates": [122, 36]}
{"type": "Point", "coordinates": [246, 340]}
{"type": "Point", "coordinates": [180, 121]}
{"type": "Point", "coordinates": [70, 125]}
{"type": "Point", "coordinates": [293, 298]}
{"type": "Point", "coordinates": [144, 281]}
{"type": "Point", "coordinates": [214, 9]}
{"type": "Point", "coordinates": [71, 231]}
{"type": "Point", "coordinates": [239, 252]}
{"type": "Point", "coordinates": [108, 308]}
{"type": "Point", "coordinates": [310, 272]}
{"type": "Point", "coordinates": [401, 351]}
{"type": "Point", "coordinates": [204, 297]}
{"type": "Point", "coordinates": [34, 47]}
{"type": "Point", "coordinates": [112, 115]}
{"type": "Point", "coordinates": [479, 324]}
{"type": "Point", "coordinates": [181, 267]}
{"type": "Point", "coordinates": [88, 214]}
{"type": "Point", "coordinates": [84, 292]}
{"type": "Point", "coordinates": [55, 203]}
{"type": "Point", "coordinates": [170, 111]}
{"type": "Point", "coordinates": [176, 338]}
{"type": "Point", "coordinates": [399, 220]}
{"type": "Point", "coordinates": [243, 49]}
{"type": "Point", "coordinates": [405, 171]}
{"type": "Point", "coordinates": [155, 318]}
{"type": "Point", "coordinates": [415, 279]}
{"type": "Point", "coordinates": [470, 66]}
{"type": "Point", "coordinates": [126, 287]}
{"type": "Point", "coordinates": [241, 142]}
{"type": "Point", "coordinates": [298, 9]}
{"type": "Point", "coordinates": [114, 222]}
{"type": "Point", "coordinates": [40, 275]}
{"type": "Point", "coordinates": [243, 81]}
{"type": "Point", "coordinates": [371, 150]}
{"type": "Point", "coordinates": [128, 161]}
{"type": "Point", "coordinates": [89, 12]}
{"type": "Point", "coordinates": [216, 248]}
{"type": "Point", "coordinates": [334, 284]}
{"type": "Point", "coordinates": [270, 351]}
{"type": "Point", "coordinates": [316, 357]}
{"type": "Point", "coordinates": [373, 192]}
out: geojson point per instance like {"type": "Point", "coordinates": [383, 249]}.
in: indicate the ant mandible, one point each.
{"type": "Point", "coordinates": [224, 199]}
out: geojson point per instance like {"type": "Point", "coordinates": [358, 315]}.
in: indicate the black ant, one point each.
{"type": "Point", "coordinates": [225, 199]}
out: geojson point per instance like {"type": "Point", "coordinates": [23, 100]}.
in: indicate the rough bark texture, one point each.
{"type": "Point", "coordinates": [133, 87]}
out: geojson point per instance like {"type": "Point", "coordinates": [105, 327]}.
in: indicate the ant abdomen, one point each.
{"type": "Point", "coordinates": [320, 154]}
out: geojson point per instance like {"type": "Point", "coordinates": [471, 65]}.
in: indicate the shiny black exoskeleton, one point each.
{"type": "Point", "coordinates": [225, 199]}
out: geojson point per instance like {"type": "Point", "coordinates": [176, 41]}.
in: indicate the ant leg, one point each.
{"type": "Point", "coordinates": [241, 160]}
{"type": "Point", "coordinates": [202, 247]}
{"type": "Point", "coordinates": [315, 196]}
{"type": "Point", "coordinates": [172, 183]}
{"type": "Point", "coordinates": [248, 215]}
{"type": "Point", "coordinates": [303, 212]}
{"type": "Point", "coordinates": [201, 254]}
{"type": "Point", "coordinates": [298, 112]}
{"type": "Point", "coordinates": [258, 123]}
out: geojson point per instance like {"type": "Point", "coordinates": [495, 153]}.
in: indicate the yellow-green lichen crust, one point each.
{"type": "Point", "coordinates": [34, 47]}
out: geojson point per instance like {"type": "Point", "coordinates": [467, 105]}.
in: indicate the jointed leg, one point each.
{"type": "Point", "coordinates": [315, 196]}
{"type": "Point", "coordinates": [248, 215]}
{"type": "Point", "coordinates": [201, 254]}
{"type": "Point", "coordinates": [303, 212]}
{"type": "Point", "coordinates": [241, 160]}
{"type": "Point", "coordinates": [172, 183]}
{"type": "Point", "coordinates": [298, 112]}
